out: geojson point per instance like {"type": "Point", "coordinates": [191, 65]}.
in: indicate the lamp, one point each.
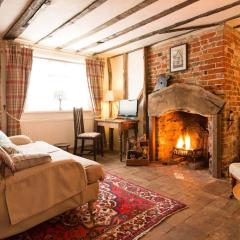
{"type": "Point", "coordinates": [59, 95]}
{"type": "Point", "coordinates": [109, 97]}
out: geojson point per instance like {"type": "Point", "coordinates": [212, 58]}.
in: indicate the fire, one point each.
{"type": "Point", "coordinates": [184, 143]}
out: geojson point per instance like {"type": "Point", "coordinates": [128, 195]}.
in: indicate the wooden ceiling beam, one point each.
{"type": "Point", "coordinates": [135, 49]}
{"type": "Point", "coordinates": [76, 17]}
{"type": "Point", "coordinates": [23, 21]}
{"type": "Point", "coordinates": [1, 1]}
{"type": "Point", "coordinates": [175, 25]}
{"type": "Point", "coordinates": [110, 22]}
{"type": "Point", "coordinates": [140, 24]}
{"type": "Point", "coordinates": [198, 27]}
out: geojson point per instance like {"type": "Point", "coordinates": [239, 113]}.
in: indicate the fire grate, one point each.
{"type": "Point", "coordinates": [190, 155]}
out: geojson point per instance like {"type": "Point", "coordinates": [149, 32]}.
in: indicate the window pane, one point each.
{"type": "Point", "coordinates": [49, 78]}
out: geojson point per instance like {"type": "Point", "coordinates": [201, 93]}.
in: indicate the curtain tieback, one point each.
{"type": "Point", "coordinates": [10, 115]}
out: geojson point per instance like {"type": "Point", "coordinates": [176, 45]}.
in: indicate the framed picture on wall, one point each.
{"type": "Point", "coordinates": [178, 58]}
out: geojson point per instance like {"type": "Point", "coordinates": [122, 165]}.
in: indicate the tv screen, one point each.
{"type": "Point", "coordinates": [128, 108]}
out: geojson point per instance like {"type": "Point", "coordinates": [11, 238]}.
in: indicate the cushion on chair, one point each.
{"type": "Point", "coordinates": [234, 170]}
{"type": "Point", "coordinates": [89, 135]}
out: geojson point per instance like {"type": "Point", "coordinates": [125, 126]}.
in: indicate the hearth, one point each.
{"type": "Point", "coordinates": [184, 121]}
{"type": "Point", "coordinates": [181, 137]}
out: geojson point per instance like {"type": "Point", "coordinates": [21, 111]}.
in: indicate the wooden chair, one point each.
{"type": "Point", "coordinates": [80, 134]}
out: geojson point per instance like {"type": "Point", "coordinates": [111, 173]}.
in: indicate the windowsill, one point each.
{"type": "Point", "coordinates": [53, 112]}
{"type": "Point", "coordinates": [53, 115]}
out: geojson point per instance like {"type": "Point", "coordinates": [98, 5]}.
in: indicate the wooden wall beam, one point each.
{"type": "Point", "coordinates": [140, 24]}
{"type": "Point", "coordinates": [109, 67]}
{"type": "Point", "coordinates": [23, 21]}
{"type": "Point", "coordinates": [110, 22]}
{"type": "Point", "coordinates": [145, 94]}
{"type": "Point", "coordinates": [178, 24]}
{"type": "Point", "coordinates": [125, 76]}
{"type": "Point", "coordinates": [76, 17]}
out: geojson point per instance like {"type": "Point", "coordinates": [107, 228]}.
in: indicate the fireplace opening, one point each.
{"type": "Point", "coordinates": [182, 137]}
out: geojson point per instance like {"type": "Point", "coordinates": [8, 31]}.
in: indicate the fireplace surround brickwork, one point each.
{"type": "Point", "coordinates": [213, 64]}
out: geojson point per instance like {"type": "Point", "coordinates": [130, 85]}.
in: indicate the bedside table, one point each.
{"type": "Point", "coordinates": [64, 146]}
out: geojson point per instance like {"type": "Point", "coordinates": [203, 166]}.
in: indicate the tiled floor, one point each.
{"type": "Point", "coordinates": [210, 216]}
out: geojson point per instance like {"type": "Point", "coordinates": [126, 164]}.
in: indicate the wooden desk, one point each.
{"type": "Point", "coordinates": [123, 125]}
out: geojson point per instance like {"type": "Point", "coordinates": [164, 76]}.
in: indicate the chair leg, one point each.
{"type": "Point", "coordinates": [101, 143]}
{"type": "Point", "coordinates": [82, 147]}
{"type": "Point", "coordinates": [94, 149]}
{"type": "Point", "coordinates": [75, 146]}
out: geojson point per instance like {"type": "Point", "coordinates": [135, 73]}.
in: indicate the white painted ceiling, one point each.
{"type": "Point", "coordinates": [74, 37]}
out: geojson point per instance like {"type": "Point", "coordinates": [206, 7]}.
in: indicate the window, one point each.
{"type": "Point", "coordinates": [54, 79]}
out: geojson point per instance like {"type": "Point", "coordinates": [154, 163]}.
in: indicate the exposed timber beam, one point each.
{"type": "Point", "coordinates": [140, 24]}
{"type": "Point", "coordinates": [76, 17]}
{"type": "Point", "coordinates": [135, 49]}
{"type": "Point", "coordinates": [1, 1]}
{"type": "Point", "coordinates": [175, 25]}
{"type": "Point", "coordinates": [23, 21]}
{"type": "Point", "coordinates": [198, 27]}
{"type": "Point", "coordinates": [110, 22]}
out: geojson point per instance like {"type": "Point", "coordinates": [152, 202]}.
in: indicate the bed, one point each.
{"type": "Point", "coordinates": [37, 194]}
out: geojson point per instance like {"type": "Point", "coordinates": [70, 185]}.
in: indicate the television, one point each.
{"type": "Point", "coordinates": [128, 108]}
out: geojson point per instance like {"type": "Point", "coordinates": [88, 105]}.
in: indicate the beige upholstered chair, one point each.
{"type": "Point", "coordinates": [80, 134]}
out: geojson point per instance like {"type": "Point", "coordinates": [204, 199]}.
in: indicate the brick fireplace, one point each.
{"type": "Point", "coordinates": [184, 111]}
{"type": "Point", "coordinates": [214, 65]}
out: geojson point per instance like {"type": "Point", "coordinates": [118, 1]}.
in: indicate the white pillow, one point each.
{"type": "Point", "coordinates": [6, 143]}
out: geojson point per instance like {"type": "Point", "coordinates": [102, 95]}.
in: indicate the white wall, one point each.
{"type": "Point", "coordinates": [136, 81]}
{"type": "Point", "coordinates": [135, 73]}
{"type": "Point", "coordinates": [53, 127]}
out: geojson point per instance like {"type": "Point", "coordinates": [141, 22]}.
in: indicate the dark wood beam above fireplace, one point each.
{"type": "Point", "coordinates": [24, 20]}
{"type": "Point", "coordinates": [140, 24]}
{"type": "Point", "coordinates": [237, 26]}
{"type": "Point", "coordinates": [178, 24]}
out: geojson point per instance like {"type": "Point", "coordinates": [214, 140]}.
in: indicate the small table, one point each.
{"type": "Point", "coordinates": [123, 125]}
{"type": "Point", "coordinates": [64, 146]}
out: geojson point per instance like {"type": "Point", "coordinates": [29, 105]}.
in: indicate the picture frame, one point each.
{"type": "Point", "coordinates": [178, 58]}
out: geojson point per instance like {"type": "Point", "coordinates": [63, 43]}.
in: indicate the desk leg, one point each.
{"type": "Point", "coordinates": [111, 140]}
{"type": "Point", "coordinates": [121, 145]}
{"type": "Point", "coordinates": [136, 130]}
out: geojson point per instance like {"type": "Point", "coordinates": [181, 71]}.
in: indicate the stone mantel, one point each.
{"type": "Point", "coordinates": [184, 97]}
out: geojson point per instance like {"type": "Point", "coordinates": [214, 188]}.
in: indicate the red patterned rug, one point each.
{"type": "Point", "coordinates": [124, 211]}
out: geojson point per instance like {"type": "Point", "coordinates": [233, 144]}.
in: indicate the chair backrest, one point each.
{"type": "Point", "coordinates": [78, 121]}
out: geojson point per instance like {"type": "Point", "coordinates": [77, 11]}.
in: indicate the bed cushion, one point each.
{"type": "Point", "coordinates": [6, 162]}
{"type": "Point", "coordinates": [23, 161]}
{"type": "Point", "coordinates": [93, 169]}
{"type": "Point", "coordinates": [20, 139]}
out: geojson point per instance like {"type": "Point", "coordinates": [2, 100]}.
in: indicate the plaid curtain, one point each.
{"type": "Point", "coordinates": [95, 75]}
{"type": "Point", "coordinates": [18, 69]}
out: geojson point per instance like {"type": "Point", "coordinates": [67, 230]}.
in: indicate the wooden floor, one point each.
{"type": "Point", "coordinates": [210, 216]}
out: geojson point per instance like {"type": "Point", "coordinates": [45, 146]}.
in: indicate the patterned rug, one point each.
{"type": "Point", "coordinates": [124, 211]}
